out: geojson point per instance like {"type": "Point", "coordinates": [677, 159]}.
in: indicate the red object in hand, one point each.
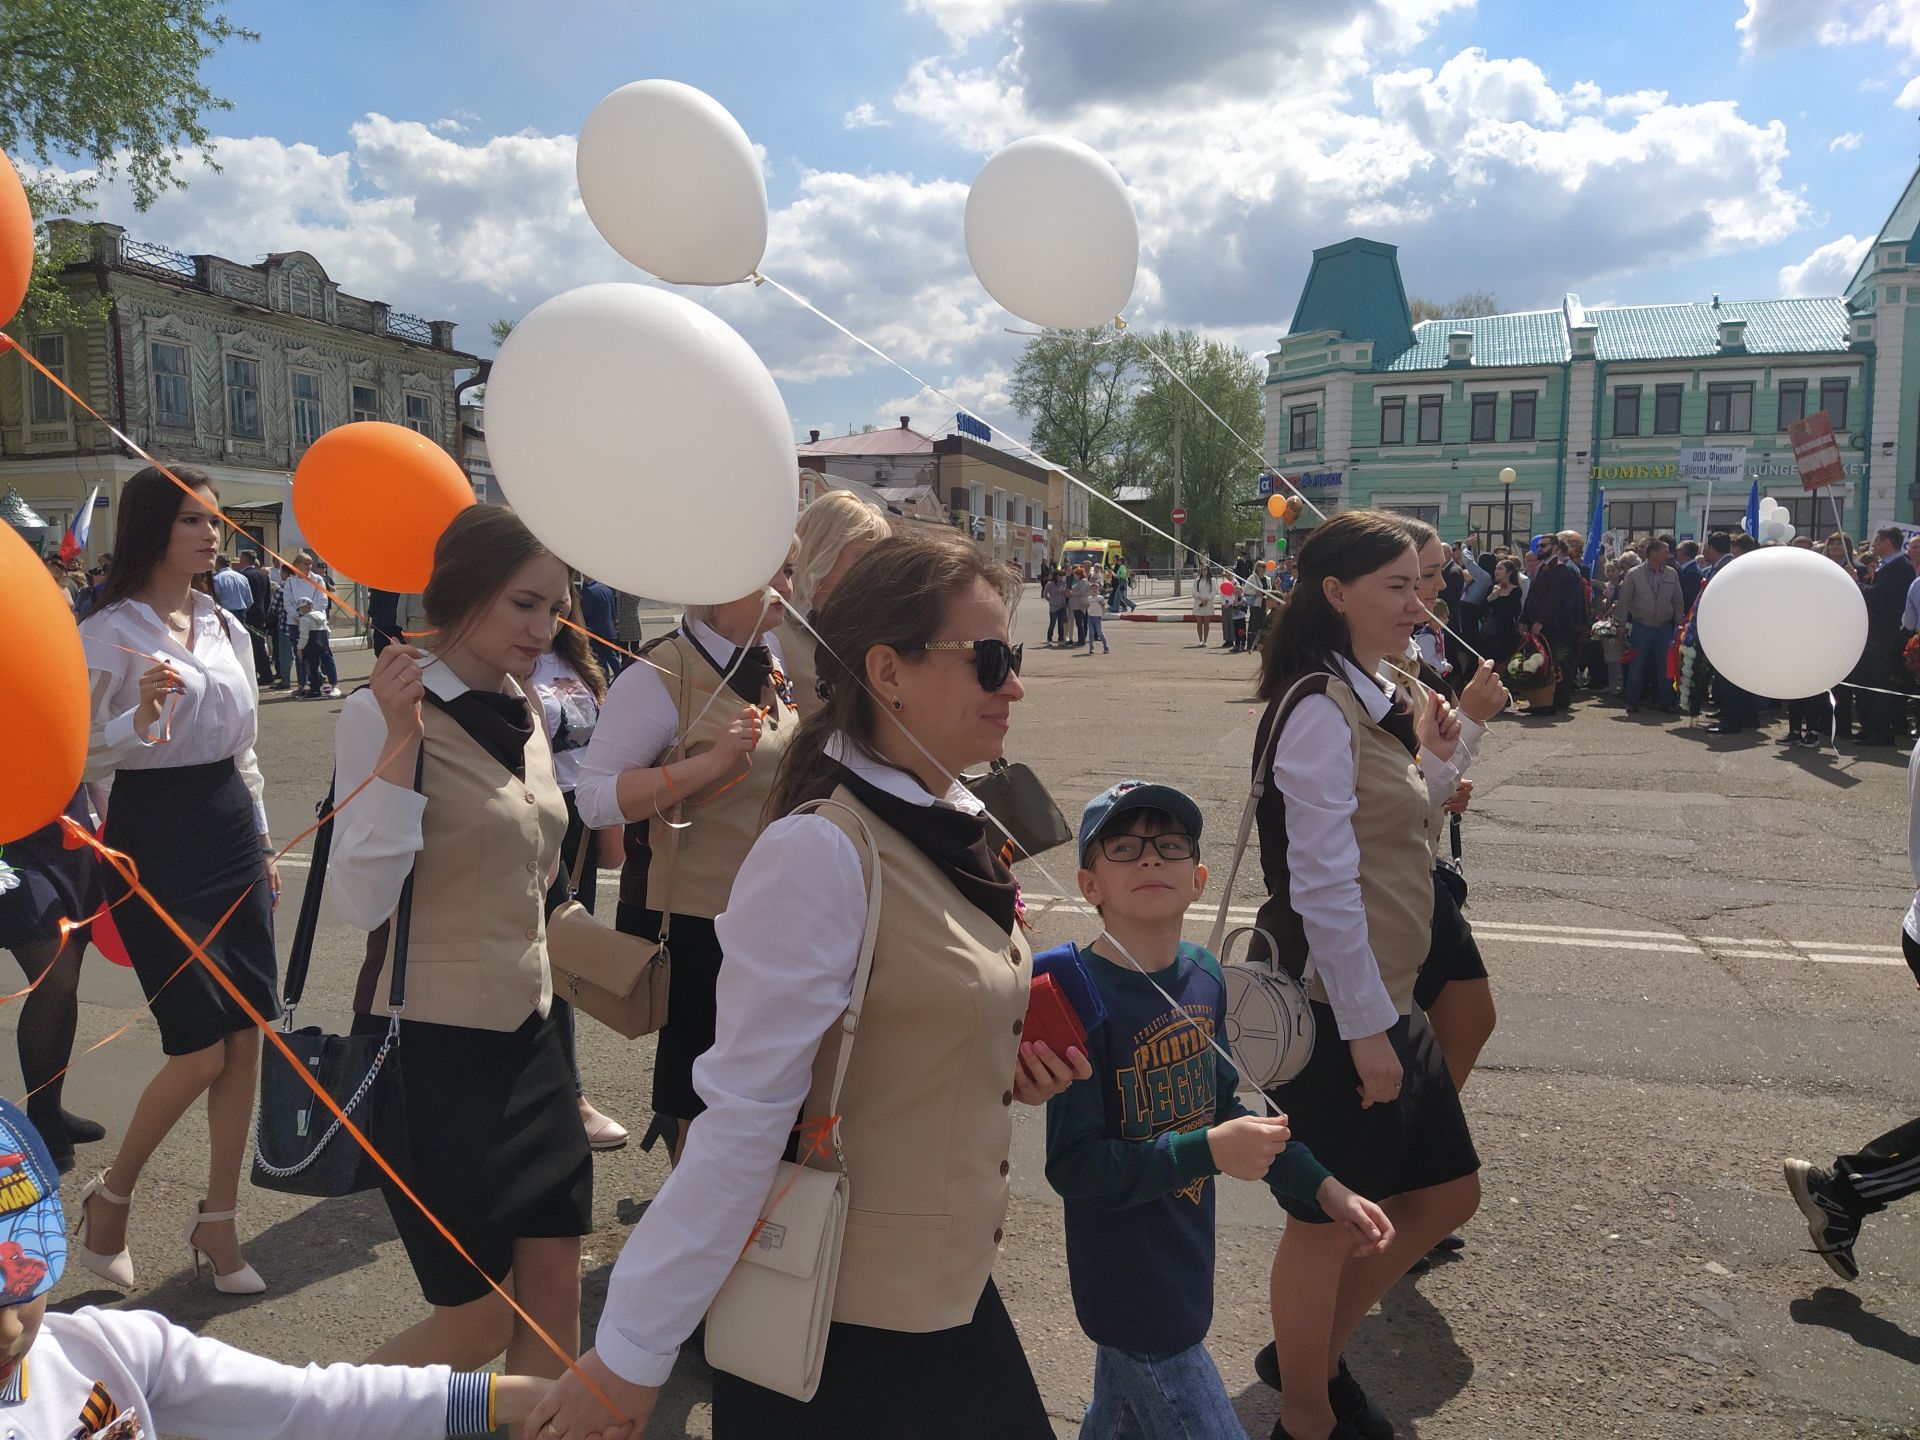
{"type": "Point", "coordinates": [1051, 1019]}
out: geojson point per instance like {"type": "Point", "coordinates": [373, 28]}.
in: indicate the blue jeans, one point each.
{"type": "Point", "coordinates": [1057, 624]}
{"type": "Point", "coordinates": [1159, 1397]}
{"type": "Point", "coordinates": [1649, 644]}
{"type": "Point", "coordinates": [1096, 632]}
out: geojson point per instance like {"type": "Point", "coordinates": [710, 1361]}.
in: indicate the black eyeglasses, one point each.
{"type": "Point", "coordinates": [993, 660]}
{"type": "Point", "coordinates": [1125, 849]}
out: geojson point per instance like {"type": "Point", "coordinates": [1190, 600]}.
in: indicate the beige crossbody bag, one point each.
{"type": "Point", "coordinates": [768, 1324]}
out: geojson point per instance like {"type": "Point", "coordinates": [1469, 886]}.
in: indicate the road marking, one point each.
{"type": "Point", "coordinates": [1593, 937]}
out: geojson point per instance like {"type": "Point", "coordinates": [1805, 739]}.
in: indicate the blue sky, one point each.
{"type": "Point", "coordinates": [1633, 152]}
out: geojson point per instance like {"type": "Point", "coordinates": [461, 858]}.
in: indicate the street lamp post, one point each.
{"type": "Point", "coordinates": [1507, 477]}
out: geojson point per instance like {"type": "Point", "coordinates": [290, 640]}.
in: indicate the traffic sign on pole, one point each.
{"type": "Point", "coordinates": [1180, 515]}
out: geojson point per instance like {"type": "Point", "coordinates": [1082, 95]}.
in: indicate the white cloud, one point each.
{"type": "Point", "coordinates": [864, 117]}
{"type": "Point", "coordinates": [1639, 102]}
{"type": "Point", "coordinates": [1849, 141]}
{"type": "Point", "coordinates": [962, 20]}
{"type": "Point", "coordinates": [458, 123]}
{"type": "Point", "coordinates": [1909, 95]}
{"type": "Point", "coordinates": [1772, 25]}
{"type": "Point", "coordinates": [1828, 269]}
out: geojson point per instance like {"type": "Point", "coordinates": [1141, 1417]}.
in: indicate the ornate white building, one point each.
{"type": "Point", "coordinates": [231, 367]}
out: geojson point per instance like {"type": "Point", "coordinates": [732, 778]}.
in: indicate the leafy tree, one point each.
{"type": "Point", "coordinates": [1076, 386]}
{"type": "Point", "coordinates": [113, 82]}
{"type": "Point", "coordinates": [499, 330]}
{"type": "Point", "coordinates": [1217, 469]}
{"type": "Point", "coordinates": [1473, 303]}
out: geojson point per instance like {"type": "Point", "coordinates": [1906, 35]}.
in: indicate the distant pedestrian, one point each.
{"type": "Point", "coordinates": [230, 588]}
{"type": "Point", "coordinates": [1652, 604]}
{"type": "Point", "coordinates": [259, 616]}
{"type": "Point", "coordinates": [1081, 587]}
{"type": "Point", "coordinates": [1096, 623]}
{"type": "Point", "coordinates": [1206, 593]}
{"type": "Point", "coordinates": [598, 613]}
{"type": "Point", "coordinates": [316, 648]}
{"type": "Point", "coordinates": [1054, 592]}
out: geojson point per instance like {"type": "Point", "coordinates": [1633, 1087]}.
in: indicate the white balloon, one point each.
{"type": "Point", "coordinates": [1772, 529]}
{"type": "Point", "coordinates": [1783, 623]}
{"type": "Point", "coordinates": [643, 442]}
{"type": "Point", "coordinates": [1787, 532]}
{"type": "Point", "coordinates": [671, 181]}
{"type": "Point", "coordinates": [1051, 233]}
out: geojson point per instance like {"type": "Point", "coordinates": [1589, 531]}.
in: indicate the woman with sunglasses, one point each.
{"type": "Point", "coordinates": [684, 755]}
{"type": "Point", "coordinates": [922, 681]}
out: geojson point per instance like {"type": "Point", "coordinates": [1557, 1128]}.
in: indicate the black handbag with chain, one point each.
{"type": "Point", "coordinates": [299, 1147]}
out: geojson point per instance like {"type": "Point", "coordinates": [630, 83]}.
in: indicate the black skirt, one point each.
{"type": "Point", "coordinates": [1412, 1143]}
{"type": "Point", "coordinates": [1452, 954]}
{"type": "Point", "coordinates": [53, 884]}
{"type": "Point", "coordinates": [693, 978]}
{"type": "Point", "coordinates": [192, 836]}
{"type": "Point", "coordinates": [492, 1142]}
{"type": "Point", "coordinates": [968, 1383]}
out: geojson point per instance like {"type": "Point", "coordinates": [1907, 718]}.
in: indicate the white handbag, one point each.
{"type": "Point", "coordinates": [769, 1323]}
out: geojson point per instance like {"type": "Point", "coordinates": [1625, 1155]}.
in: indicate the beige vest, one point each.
{"type": "Point", "coordinates": [1393, 825]}
{"type": "Point", "coordinates": [720, 830]}
{"type": "Point", "coordinates": [477, 945]}
{"type": "Point", "coordinates": [927, 1109]}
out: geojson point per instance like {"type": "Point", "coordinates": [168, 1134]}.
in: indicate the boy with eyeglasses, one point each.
{"type": "Point", "coordinates": [1133, 1151]}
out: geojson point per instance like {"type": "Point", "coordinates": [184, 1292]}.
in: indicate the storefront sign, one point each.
{"type": "Point", "coordinates": [1815, 452]}
{"type": "Point", "coordinates": [1321, 478]}
{"type": "Point", "coordinates": [1643, 471]}
{"type": "Point", "coordinates": [1716, 464]}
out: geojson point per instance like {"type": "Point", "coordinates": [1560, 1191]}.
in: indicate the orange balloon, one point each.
{"type": "Point", "coordinates": [16, 242]}
{"type": "Point", "coordinates": [1277, 506]}
{"type": "Point", "coordinates": [373, 499]}
{"type": "Point", "coordinates": [43, 694]}
{"type": "Point", "coordinates": [1273, 565]}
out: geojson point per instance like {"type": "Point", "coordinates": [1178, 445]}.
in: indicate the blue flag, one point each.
{"type": "Point", "coordinates": [1592, 557]}
{"type": "Point", "coordinates": [1752, 523]}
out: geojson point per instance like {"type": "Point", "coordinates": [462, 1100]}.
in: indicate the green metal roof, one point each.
{"type": "Point", "coordinates": [1354, 288]}
{"type": "Point", "coordinates": [1902, 228]}
{"type": "Point", "coordinates": [1673, 332]}
{"type": "Point", "coordinates": [1531, 337]}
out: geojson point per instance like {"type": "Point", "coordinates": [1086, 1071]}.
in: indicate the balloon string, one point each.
{"type": "Point", "coordinates": [814, 1133]}
{"type": "Point", "coordinates": [123, 864]}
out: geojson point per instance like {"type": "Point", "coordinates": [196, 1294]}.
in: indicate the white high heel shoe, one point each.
{"type": "Point", "coordinates": [244, 1281]}
{"type": "Point", "coordinates": [116, 1269]}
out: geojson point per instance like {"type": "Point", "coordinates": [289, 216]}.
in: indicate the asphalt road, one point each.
{"type": "Point", "coordinates": [1694, 947]}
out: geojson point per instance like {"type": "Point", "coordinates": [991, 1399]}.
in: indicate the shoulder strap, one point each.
{"type": "Point", "coordinates": [1312, 683]}
{"type": "Point", "coordinates": [863, 971]}
{"type": "Point", "coordinates": [403, 912]}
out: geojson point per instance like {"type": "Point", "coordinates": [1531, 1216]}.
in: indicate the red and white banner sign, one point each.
{"type": "Point", "coordinates": [1180, 515]}
{"type": "Point", "coordinates": [1815, 451]}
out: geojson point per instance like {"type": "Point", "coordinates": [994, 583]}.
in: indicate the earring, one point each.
{"type": "Point", "coordinates": [898, 703]}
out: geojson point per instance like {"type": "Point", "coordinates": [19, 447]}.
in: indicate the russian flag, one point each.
{"type": "Point", "coordinates": [75, 540]}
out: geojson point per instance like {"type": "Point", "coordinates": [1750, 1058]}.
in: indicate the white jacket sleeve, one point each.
{"type": "Point", "coordinates": [201, 1387]}
{"type": "Point", "coordinates": [377, 833]}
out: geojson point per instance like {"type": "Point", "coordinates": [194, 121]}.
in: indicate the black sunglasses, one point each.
{"type": "Point", "coordinates": [993, 660]}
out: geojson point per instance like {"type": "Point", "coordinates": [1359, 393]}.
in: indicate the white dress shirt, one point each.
{"type": "Point", "coordinates": [376, 837]}
{"type": "Point", "coordinates": [791, 934]}
{"type": "Point", "coordinates": [563, 694]}
{"type": "Point", "coordinates": [296, 588]}
{"type": "Point", "coordinates": [215, 717]}
{"type": "Point", "coordinates": [1913, 839]}
{"type": "Point", "coordinates": [1910, 617]}
{"type": "Point", "coordinates": [1313, 770]}
{"type": "Point", "coordinates": [639, 722]}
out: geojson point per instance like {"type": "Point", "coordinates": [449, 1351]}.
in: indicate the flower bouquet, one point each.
{"type": "Point", "coordinates": [1911, 656]}
{"type": "Point", "coordinates": [1612, 635]}
{"type": "Point", "coordinates": [1531, 674]}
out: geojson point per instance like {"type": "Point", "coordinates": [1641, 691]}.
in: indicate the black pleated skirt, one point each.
{"type": "Point", "coordinates": [52, 883]}
{"type": "Point", "coordinates": [192, 836]}
{"type": "Point", "coordinates": [492, 1143]}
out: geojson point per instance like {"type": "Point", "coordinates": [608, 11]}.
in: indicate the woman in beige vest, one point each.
{"type": "Point", "coordinates": [489, 1136]}
{"type": "Point", "coordinates": [834, 532]}
{"type": "Point", "coordinates": [684, 754]}
{"type": "Point", "coordinates": [920, 1343]}
{"type": "Point", "coordinates": [1345, 844]}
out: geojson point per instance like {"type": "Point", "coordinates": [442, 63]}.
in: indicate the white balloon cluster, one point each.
{"type": "Point", "coordinates": [1775, 527]}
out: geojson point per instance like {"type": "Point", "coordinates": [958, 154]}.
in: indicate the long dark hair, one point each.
{"type": "Point", "coordinates": [1310, 631]}
{"type": "Point", "coordinates": [143, 529]}
{"type": "Point", "coordinates": [571, 646]}
{"type": "Point", "coordinates": [478, 554]}
{"type": "Point", "coordinates": [896, 595]}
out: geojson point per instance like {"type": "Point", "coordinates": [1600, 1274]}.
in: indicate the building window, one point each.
{"type": "Point", "coordinates": [1626, 410]}
{"type": "Point", "coordinates": [1833, 400]}
{"type": "Point", "coordinates": [1428, 513]}
{"type": "Point", "coordinates": [243, 398]}
{"type": "Point", "coordinates": [1520, 417]}
{"type": "Point", "coordinates": [1483, 411]}
{"type": "Point", "coordinates": [419, 413]}
{"type": "Point", "coordinates": [1817, 515]}
{"type": "Point", "coordinates": [1430, 419]}
{"type": "Point", "coordinates": [305, 386]}
{"type": "Point", "coordinates": [1633, 519]}
{"type": "Point", "coordinates": [1793, 402]}
{"type": "Point", "coordinates": [1666, 409]}
{"type": "Point", "coordinates": [366, 403]}
{"type": "Point", "coordinates": [1393, 422]}
{"type": "Point", "coordinates": [49, 404]}
{"type": "Point", "coordinates": [1487, 525]}
{"type": "Point", "coordinates": [1729, 409]}
{"type": "Point", "coordinates": [1303, 432]}
{"type": "Point", "coordinates": [172, 385]}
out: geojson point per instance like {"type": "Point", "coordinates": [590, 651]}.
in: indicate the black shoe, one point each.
{"type": "Point", "coordinates": [1351, 1407]}
{"type": "Point", "coordinates": [80, 1130]}
{"type": "Point", "coordinates": [1810, 741]}
{"type": "Point", "coordinates": [1832, 1222]}
{"type": "Point", "coordinates": [1341, 1431]}
{"type": "Point", "coordinates": [1792, 737]}
{"type": "Point", "coordinates": [1448, 1245]}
